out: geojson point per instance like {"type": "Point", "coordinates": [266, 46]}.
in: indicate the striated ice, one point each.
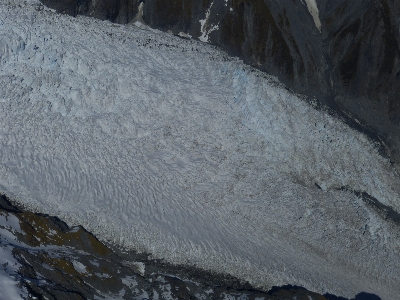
{"type": "Point", "coordinates": [167, 146]}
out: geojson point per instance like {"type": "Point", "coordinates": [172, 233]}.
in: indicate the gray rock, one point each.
{"type": "Point", "coordinates": [362, 49]}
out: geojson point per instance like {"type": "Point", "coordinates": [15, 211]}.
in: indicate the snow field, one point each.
{"type": "Point", "coordinates": [313, 9]}
{"type": "Point", "coordinates": [168, 146]}
{"type": "Point", "coordinates": [9, 266]}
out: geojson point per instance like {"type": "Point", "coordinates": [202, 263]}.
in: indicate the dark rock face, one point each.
{"type": "Point", "coordinates": [120, 11]}
{"type": "Point", "coordinates": [362, 45]}
{"type": "Point", "coordinates": [351, 65]}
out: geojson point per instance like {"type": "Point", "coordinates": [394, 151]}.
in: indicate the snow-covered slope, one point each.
{"type": "Point", "coordinates": [313, 9]}
{"type": "Point", "coordinates": [9, 278]}
{"type": "Point", "coordinates": [166, 145]}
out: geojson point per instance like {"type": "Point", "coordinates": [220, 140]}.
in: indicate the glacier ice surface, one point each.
{"type": "Point", "coordinates": [168, 146]}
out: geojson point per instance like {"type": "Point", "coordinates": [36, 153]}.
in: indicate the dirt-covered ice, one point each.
{"type": "Point", "coordinates": [167, 146]}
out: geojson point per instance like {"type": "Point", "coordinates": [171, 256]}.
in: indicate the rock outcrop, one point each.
{"type": "Point", "coordinates": [361, 41]}
{"type": "Point", "coordinates": [345, 54]}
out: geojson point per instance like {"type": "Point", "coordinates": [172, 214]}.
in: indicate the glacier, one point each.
{"type": "Point", "coordinates": [168, 146]}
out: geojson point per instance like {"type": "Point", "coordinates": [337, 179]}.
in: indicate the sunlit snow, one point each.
{"type": "Point", "coordinates": [9, 283]}
{"type": "Point", "coordinates": [205, 27]}
{"type": "Point", "coordinates": [313, 9]}
{"type": "Point", "coordinates": [167, 146]}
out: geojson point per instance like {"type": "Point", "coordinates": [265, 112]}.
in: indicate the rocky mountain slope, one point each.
{"type": "Point", "coordinates": [344, 53]}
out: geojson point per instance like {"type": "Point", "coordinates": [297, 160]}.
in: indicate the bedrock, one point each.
{"type": "Point", "coordinates": [351, 63]}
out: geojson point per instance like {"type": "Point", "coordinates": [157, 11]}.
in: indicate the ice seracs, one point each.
{"type": "Point", "coordinates": [168, 146]}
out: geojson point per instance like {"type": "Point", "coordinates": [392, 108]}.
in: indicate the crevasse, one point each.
{"type": "Point", "coordinates": [168, 146]}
